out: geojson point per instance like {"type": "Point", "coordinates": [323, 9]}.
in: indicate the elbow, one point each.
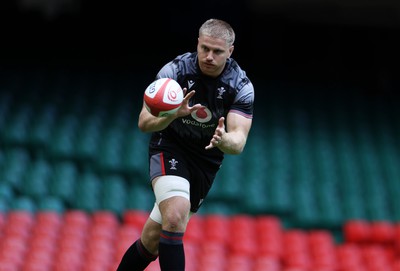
{"type": "Point", "coordinates": [142, 127]}
{"type": "Point", "coordinates": [239, 146]}
{"type": "Point", "coordinates": [237, 151]}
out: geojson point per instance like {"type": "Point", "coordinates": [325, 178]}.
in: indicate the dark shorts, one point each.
{"type": "Point", "coordinates": [199, 172]}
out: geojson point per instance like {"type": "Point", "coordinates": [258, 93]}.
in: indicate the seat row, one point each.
{"type": "Point", "coordinates": [77, 240]}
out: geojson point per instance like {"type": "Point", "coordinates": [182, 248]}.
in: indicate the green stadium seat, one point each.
{"type": "Point", "coordinates": [41, 128]}
{"type": "Point", "coordinates": [36, 179]}
{"type": "Point", "coordinates": [16, 162]}
{"type": "Point", "coordinates": [330, 205]}
{"type": "Point", "coordinates": [280, 195]}
{"type": "Point", "coordinates": [6, 192]}
{"type": "Point", "coordinates": [353, 207]}
{"type": "Point", "coordinates": [87, 141]}
{"type": "Point", "coordinates": [87, 193]}
{"type": "Point", "coordinates": [228, 180]}
{"type": "Point", "coordinates": [306, 213]}
{"type": "Point", "coordinates": [16, 129]}
{"type": "Point", "coordinates": [110, 149]}
{"type": "Point", "coordinates": [4, 206]}
{"type": "Point", "coordinates": [256, 199]}
{"type": "Point", "coordinates": [63, 181]}
{"type": "Point", "coordinates": [217, 208]}
{"type": "Point", "coordinates": [50, 204]}
{"type": "Point", "coordinates": [114, 194]}
{"type": "Point", "coordinates": [62, 143]}
{"type": "Point", "coordinates": [23, 203]}
{"type": "Point", "coordinates": [139, 197]}
{"type": "Point", "coordinates": [134, 153]}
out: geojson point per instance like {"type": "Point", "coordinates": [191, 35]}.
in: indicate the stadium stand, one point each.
{"type": "Point", "coordinates": [77, 240]}
{"type": "Point", "coordinates": [317, 187]}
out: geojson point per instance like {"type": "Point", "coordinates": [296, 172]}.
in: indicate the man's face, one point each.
{"type": "Point", "coordinates": [212, 55]}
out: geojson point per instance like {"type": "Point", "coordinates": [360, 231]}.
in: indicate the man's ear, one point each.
{"type": "Point", "coordinates": [231, 50]}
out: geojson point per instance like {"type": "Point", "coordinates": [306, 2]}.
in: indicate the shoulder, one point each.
{"type": "Point", "coordinates": [236, 77]}
{"type": "Point", "coordinates": [179, 64]}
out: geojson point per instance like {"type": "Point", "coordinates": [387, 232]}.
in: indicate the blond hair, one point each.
{"type": "Point", "coordinates": [218, 29]}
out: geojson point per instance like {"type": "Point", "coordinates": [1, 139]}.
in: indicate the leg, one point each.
{"type": "Point", "coordinates": [172, 196]}
{"type": "Point", "coordinates": [145, 250]}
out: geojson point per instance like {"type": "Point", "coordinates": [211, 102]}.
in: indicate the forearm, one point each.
{"type": "Point", "coordinates": [149, 123]}
{"type": "Point", "coordinates": [232, 143]}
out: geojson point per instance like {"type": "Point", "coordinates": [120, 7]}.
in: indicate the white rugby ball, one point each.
{"type": "Point", "coordinates": [163, 97]}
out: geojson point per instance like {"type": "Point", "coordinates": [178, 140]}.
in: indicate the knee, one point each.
{"type": "Point", "coordinates": [175, 214]}
{"type": "Point", "coordinates": [173, 199]}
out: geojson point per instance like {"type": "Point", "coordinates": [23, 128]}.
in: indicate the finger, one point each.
{"type": "Point", "coordinates": [190, 95]}
{"type": "Point", "coordinates": [213, 143]}
{"type": "Point", "coordinates": [210, 146]}
{"type": "Point", "coordinates": [216, 139]}
{"type": "Point", "coordinates": [221, 122]}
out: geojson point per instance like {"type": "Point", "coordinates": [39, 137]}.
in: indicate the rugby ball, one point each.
{"type": "Point", "coordinates": [163, 97]}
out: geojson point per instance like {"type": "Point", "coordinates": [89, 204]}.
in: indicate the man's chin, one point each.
{"type": "Point", "coordinates": [207, 70]}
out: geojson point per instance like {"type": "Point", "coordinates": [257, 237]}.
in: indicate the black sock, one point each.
{"type": "Point", "coordinates": [136, 258]}
{"type": "Point", "coordinates": [171, 252]}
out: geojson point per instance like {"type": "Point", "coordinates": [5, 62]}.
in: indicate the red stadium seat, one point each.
{"type": "Point", "coordinates": [267, 263]}
{"type": "Point", "coordinates": [77, 218]}
{"type": "Point", "coordinates": [36, 265]}
{"type": "Point", "coordinates": [135, 218]}
{"type": "Point", "coordinates": [19, 223]}
{"type": "Point", "coordinates": [375, 258]}
{"type": "Point", "coordinates": [212, 261]}
{"type": "Point", "coordinates": [382, 232]}
{"type": "Point", "coordinates": [322, 250]}
{"type": "Point", "coordinates": [3, 221]}
{"type": "Point", "coordinates": [296, 251]}
{"type": "Point", "coordinates": [54, 219]}
{"type": "Point", "coordinates": [396, 264]}
{"type": "Point", "coordinates": [357, 231]}
{"type": "Point", "coordinates": [269, 235]}
{"type": "Point", "coordinates": [125, 236]}
{"type": "Point", "coordinates": [216, 228]}
{"type": "Point", "coordinates": [239, 263]}
{"type": "Point", "coordinates": [195, 229]}
{"type": "Point", "coordinates": [349, 256]}
{"type": "Point", "coordinates": [242, 240]}
{"type": "Point", "coordinates": [71, 258]}
{"type": "Point", "coordinates": [396, 237]}
{"type": "Point", "coordinates": [105, 218]}
{"type": "Point", "coordinates": [13, 250]}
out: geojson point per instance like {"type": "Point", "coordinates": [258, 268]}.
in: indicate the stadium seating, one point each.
{"type": "Point", "coordinates": [50, 240]}
{"type": "Point", "coordinates": [318, 180]}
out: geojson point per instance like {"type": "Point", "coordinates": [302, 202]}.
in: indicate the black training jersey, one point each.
{"type": "Point", "coordinates": [232, 91]}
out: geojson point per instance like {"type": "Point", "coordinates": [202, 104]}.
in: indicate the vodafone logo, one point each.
{"type": "Point", "coordinates": [202, 115]}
